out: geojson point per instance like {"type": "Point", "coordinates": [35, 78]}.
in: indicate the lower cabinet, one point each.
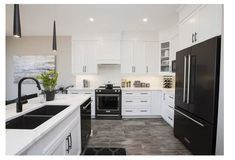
{"type": "Point", "coordinates": [168, 107]}
{"type": "Point", "coordinates": [68, 145]}
{"type": "Point", "coordinates": [63, 139]}
{"type": "Point", "coordinates": [141, 103]}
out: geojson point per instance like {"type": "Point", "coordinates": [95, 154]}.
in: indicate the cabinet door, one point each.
{"type": "Point", "coordinates": [74, 139]}
{"type": "Point", "coordinates": [174, 47]}
{"type": "Point", "coordinates": [156, 103]}
{"type": "Point", "coordinates": [139, 58]}
{"type": "Point", "coordinates": [187, 30]}
{"type": "Point", "coordinates": [78, 56]}
{"type": "Point", "coordinates": [151, 58]}
{"type": "Point", "coordinates": [92, 49]}
{"type": "Point", "coordinates": [210, 22]}
{"type": "Point", "coordinates": [126, 57]}
{"type": "Point", "coordinates": [60, 149]}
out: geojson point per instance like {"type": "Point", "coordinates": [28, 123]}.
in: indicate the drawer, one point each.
{"type": "Point", "coordinates": [196, 134]}
{"type": "Point", "coordinates": [136, 102]}
{"type": "Point", "coordinates": [137, 93]}
{"type": "Point", "coordinates": [131, 111]}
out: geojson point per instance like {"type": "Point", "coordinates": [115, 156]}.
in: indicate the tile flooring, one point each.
{"type": "Point", "coordinates": [139, 136]}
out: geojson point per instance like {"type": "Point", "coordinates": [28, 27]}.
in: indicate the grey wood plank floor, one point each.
{"type": "Point", "coordinates": [152, 136]}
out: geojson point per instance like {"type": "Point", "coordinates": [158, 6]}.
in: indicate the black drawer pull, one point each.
{"type": "Point", "coordinates": [171, 97]}
{"type": "Point", "coordinates": [143, 110]}
{"type": "Point", "coordinates": [129, 93]}
{"type": "Point", "coordinates": [128, 110]}
{"type": "Point", "coordinates": [143, 93]}
{"type": "Point", "coordinates": [129, 101]}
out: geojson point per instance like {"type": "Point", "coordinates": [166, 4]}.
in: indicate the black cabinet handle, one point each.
{"type": "Point", "coordinates": [67, 139]}
{"type": "Point", "coordinates": [192, 38]}
{"type": "Point", "coordinates": [195, 36]}
{"type": "Point", "coordinates": [70, 144]}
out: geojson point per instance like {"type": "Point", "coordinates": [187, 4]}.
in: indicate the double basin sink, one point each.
{"type": "Point", "coordinates": [35, 118]}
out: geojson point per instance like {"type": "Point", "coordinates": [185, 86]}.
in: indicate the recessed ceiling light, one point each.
{"type": "Point", "coordinates": [145, 19]}
{"type": "Point", "coordinates": [91, 19]}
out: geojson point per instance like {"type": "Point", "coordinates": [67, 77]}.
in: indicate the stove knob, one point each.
{"type": "Point", "coordinates": [115, 90]}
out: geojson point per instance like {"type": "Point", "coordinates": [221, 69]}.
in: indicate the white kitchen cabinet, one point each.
{"type": "Point", "coordinates": [151, 57]}
{"type": "Point", "coordinates": [204, 23]}
{"type": "Point", "coordinates": [109, 52]}
{"type": "Point", "coordinates": [167, 108]}
{"type": "Point", "coordinates": [210, 22]}
{"type": "Point", "coordinates": [68, 144]}
{"type": "Point", "coordinates": [141, 103]}
{"type": "Point", "coordinates": [139, 57]}
{"type": "Point", "coordinates": [63, 139]}
{"type": "Point", "coordinates": [174, 47]}
{"type": "Point", "coordinates": [156, 102]}
{"type": "Point", "coordinates": [84, 57]}
{"type": "Point", "coordinates": [88, 92]}
{"type": "Point", "coordinates": [127, 48]}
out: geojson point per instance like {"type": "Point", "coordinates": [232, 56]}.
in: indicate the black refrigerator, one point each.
{"type": "Point", "coordinates": [196, 96]}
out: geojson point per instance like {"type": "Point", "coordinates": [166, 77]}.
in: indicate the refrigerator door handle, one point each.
{"type": "Point", "coordinates": [189, 118]}
{"type": "Point", "coordinates": [189, 75]}
{"type": "Point", "coordinates": [184, 89]}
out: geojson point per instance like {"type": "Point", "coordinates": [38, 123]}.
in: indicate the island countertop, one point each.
{"type": "Point", "coordinates": [18, 140]}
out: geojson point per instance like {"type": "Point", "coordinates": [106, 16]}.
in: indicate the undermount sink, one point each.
{"type": "Point", "coordinates": [35, 118]}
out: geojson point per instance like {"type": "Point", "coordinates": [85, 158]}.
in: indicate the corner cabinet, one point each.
{"type": "Point", "coordinates": [203, 23]}
{"type": "Point", "coordinates": [84, 56]}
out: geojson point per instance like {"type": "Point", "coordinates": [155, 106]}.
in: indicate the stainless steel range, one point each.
{"type": "Point", "coordinates": [108, 102]}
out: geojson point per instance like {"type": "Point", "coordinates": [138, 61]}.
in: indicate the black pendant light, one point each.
{"type": "Point", "coordinates": [54, 44]}
{"type": "Point", "coordinates": [16, 23]}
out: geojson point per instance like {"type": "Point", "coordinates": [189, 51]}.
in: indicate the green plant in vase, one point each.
{"type": "Point", "coordinates": [49, 81]}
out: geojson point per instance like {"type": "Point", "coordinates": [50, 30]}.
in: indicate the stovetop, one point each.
{"type": "Point", "coordinates": [114, 87]}
{"type": "Point", "coordinates": [102, 89]}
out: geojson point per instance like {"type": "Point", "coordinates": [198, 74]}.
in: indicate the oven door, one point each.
{"type": "Point", "coordinates": [108, 103]}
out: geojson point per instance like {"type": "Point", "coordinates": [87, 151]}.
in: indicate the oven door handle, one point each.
{"type": "Point", "coordinates": [85, 107]}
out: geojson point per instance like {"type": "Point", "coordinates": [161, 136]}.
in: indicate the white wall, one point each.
{"type": "Point", "coordinates": [37, 45]}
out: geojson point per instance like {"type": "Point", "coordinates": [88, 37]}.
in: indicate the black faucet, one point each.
{"type": "Point", "coordinates": [20, 102]}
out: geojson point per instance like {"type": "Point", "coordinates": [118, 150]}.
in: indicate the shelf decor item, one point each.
{"type": "Point", "coordinates": [49, 81]}
{"type": "Point", "coordinates": [16, 24]}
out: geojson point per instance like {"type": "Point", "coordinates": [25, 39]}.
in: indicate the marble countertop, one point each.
{"type": "Point", "coordinates": [18, 140]}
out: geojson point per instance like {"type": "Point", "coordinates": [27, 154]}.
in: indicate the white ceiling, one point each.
{"type": "Point", "coordinates": [74, 18]}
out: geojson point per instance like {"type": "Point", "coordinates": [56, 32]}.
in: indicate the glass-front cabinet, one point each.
{"type": "Point", "coordinates": [165, 57]}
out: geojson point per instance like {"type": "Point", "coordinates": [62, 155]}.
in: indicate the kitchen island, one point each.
{"type": "Point", "coordinates": [54, 136]}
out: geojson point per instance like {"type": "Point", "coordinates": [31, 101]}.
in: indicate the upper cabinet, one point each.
{"type": "Point", "coordinates": [165, 57]}
{"type": "Point", "coordinates": [202, 23]}
{"type": "Point", "coordinates": [168, 46]}
{"type": "Point", "coordinates": [109, 52]}
{"type": "Point", "coordinates": [151, 57]}
{"type": "Point", "coordinates": [84, 56]}
{"type": "Point", "coordinates": [139, 57]}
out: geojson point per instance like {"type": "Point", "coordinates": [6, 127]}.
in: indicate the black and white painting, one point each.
{"type": "Point", "coordinates": [31, 66]}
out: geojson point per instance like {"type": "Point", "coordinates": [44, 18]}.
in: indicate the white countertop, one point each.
{"type": "Point", "coordinates": [127, 89]}
{"type": "Point", "coordinates": [141, 89]}
{"type": "Point", "coordinates": [18, 140]}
